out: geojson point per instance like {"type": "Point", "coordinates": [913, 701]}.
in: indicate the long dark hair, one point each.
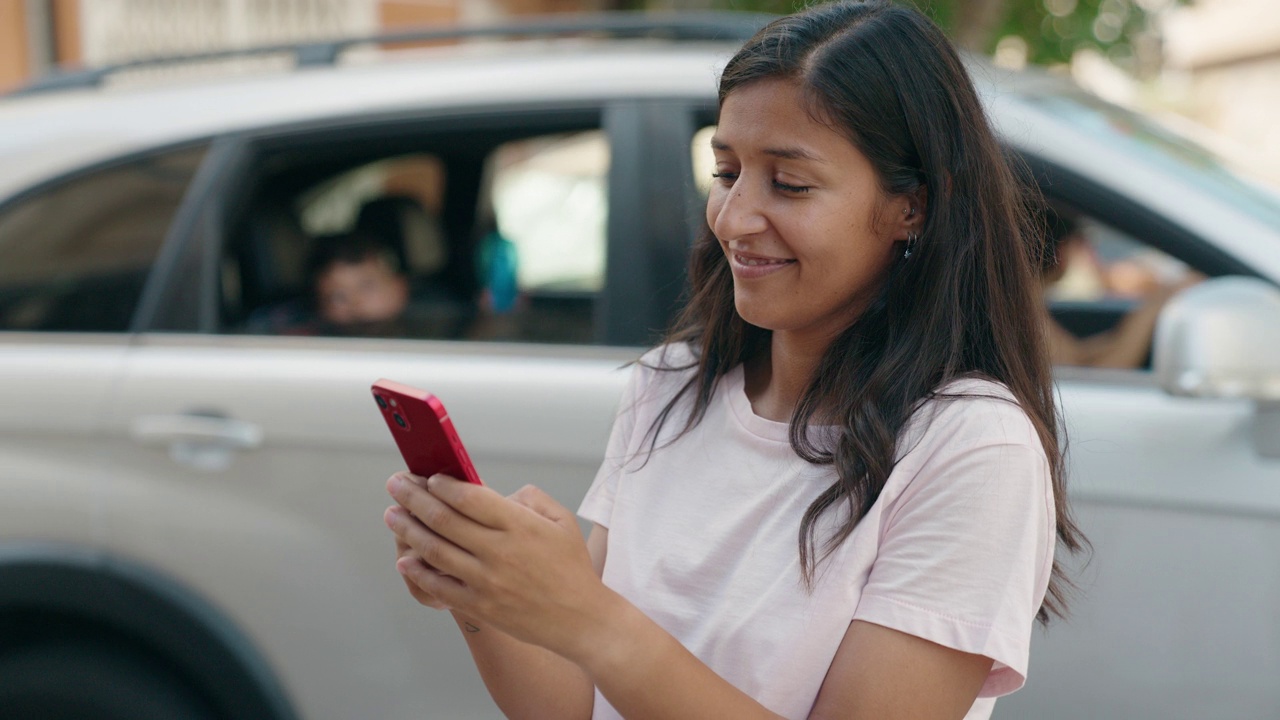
{"type": "Point", "coordinates": [964, 304]}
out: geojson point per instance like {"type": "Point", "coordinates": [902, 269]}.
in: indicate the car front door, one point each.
{"type": "Point", "coordinates": [1174, 611]}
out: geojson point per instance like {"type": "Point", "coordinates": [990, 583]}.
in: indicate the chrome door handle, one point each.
{"type": "Point", "coordinates": [196, 429]}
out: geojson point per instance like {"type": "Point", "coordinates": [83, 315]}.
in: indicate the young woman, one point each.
{"type": "Point", "coordinates": [835, 492]}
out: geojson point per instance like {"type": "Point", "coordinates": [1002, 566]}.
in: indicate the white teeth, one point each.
{"type": "Point", "coordinates": [757, 261]}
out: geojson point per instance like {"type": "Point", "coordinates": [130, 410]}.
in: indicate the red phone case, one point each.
{"type": "Point", "coordinates": [423, 431]}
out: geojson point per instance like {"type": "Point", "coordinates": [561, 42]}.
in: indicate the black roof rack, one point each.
{"type": "Point", "coordinates": [729, 26]}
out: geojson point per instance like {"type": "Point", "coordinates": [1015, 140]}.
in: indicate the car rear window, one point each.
{"type": "Point", "coordinates": [74, 255]}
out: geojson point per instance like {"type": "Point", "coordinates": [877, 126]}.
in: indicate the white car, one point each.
{"type": "Point", "coordinates": [192, 484]}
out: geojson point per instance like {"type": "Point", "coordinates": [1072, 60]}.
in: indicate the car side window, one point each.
{"type": "Point", "coordinates": [541, 250]}
{"type": "Point", "coordinates": [1102, 263]}
{"type": "Point", "coordinates": [1104, 290]}
{"type": "Point", "coordinates": [481, 235]}
{"type": "Point", "coordinates": [77, 253]}
{"type": "Point", "coordinates": [366, 240]}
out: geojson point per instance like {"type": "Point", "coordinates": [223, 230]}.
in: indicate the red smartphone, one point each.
{"type": "Point", "coordinates": [423, 431]}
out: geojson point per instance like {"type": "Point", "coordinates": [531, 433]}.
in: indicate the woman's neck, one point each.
{"type": "Point", "coordinates": [775, 381]}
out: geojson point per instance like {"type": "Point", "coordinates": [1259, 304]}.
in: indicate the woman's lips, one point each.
{"type": "Point", "coordinates": [750, 267]}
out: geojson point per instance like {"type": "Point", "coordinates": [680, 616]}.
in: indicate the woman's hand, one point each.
{"type": "Point", "coordinates": [405, 556]}
{"type": "Point", "coordinates": [403, 525]}
{"type": "Point", "coordinates": [519, 564]}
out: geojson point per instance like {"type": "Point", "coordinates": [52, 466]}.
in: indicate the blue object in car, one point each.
{"type": "Point", "coordinates": [498, 263]}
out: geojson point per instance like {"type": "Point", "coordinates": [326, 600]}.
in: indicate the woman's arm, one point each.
{"type": "Point", "coordinates": [516, 568]}
{"type": "Point", "coordinates": [526, 681]}
{"type": "Point", "coordinates": [879, 672]}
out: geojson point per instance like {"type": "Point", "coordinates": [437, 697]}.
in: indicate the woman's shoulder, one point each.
{"type": "Point", "coordinates": [675, 356]}
{"type": "Point", "coordinates": [666, 364]}
{"type": "Point", "coordinates": [662, 371]}
{"type": "Point", "coordinates": [974, 411]}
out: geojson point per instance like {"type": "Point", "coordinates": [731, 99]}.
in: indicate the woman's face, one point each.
{"type": "Point", "coordinates": [799, 214]}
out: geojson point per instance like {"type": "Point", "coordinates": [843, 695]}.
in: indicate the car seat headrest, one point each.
{"type": "Point", "coordinates": [406, 226]}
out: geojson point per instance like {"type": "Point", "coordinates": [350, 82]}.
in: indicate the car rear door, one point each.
{"type": "Point", "coordinates": [74, 255]}
{"type": "Point", "coordinates": [252, 466]}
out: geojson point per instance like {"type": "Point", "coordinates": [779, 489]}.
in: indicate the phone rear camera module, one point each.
{"type": "Point", "coordinates": [381, 403]}
{"type": "Point", "coordinates": [399, 420]}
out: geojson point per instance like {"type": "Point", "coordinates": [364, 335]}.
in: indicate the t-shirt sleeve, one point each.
{"type": "Point", "coordinates": [597, 505]}
{"type": "Point", "coordinates": [966, 546]}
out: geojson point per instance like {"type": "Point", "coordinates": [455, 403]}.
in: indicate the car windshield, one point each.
{"type": "Point", "coordinates": [1166, 150]}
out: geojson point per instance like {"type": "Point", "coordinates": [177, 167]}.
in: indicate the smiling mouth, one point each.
{"type": "Point", "coordinates": [758, 262]}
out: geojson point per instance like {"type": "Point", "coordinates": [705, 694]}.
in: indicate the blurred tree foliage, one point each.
{"type": "Point", "coordinates": [1050, 31]}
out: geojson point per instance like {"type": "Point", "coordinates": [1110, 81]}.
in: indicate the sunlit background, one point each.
{"type": "Point", "coordinates": [1207, 68]}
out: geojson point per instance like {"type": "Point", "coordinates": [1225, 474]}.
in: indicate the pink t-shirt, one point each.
{"type": "Point", "coordinates": [703, 537]}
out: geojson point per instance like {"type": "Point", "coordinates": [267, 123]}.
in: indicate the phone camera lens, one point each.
{"type": "Point", "coordinates": [399, 420]}
{"type": "Point", "coordinates": [381, 403]}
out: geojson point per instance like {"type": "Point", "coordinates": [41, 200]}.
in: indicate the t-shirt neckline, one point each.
{"type": "Point", "coordinates": [740, 406]}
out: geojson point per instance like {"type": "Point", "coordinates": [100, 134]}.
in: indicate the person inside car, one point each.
{"type": "Point", "coordinates": [358, 285]}
{"type": "Point", "coordinates": [835, 490]}
{"type": "Point", "coordinates": [1127, 345]}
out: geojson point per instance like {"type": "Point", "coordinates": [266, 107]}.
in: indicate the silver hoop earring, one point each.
{"type": "Point", "coordinates": [912, 239]}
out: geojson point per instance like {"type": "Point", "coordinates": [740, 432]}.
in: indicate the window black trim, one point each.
{"type": "Point", "coordinates": [1133, 218]}
{"type": "Point", "coordinates": [652, 206]}
{"type": "Point", "coordinates": [170, 301]}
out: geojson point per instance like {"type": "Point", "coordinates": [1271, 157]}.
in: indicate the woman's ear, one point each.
{"type": "Point", "coordinates": [911, 208]}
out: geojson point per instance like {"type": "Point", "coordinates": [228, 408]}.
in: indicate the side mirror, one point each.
{"type": "Point", "coordinates": [1221, 339]}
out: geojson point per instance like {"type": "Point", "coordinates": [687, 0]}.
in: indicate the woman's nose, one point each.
{"type": "Point", "coordinates": [739, 214]}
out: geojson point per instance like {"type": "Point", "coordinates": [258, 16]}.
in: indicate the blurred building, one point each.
{"type": "Point", "coordinates": [39, 35]}
{"type": "Point", "coordinates": [1222, 60]}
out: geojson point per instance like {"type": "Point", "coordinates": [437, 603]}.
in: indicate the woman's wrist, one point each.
{"type": "Point", "coordinates": [609, 635]}
{"type": "Point", "coordinates": [466, 623]}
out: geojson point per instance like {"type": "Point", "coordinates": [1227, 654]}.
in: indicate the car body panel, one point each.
{"type": "Point", "coordinates": [297, 520]}
{"type": "Point", "coordinates": [1175, 618]}
{"type": "Point", "coordinates": [53, 454]}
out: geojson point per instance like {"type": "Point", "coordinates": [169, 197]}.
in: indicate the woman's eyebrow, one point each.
{"type": "Point", "coordinates": [793, 153]}
{"type": "Point", "coordinates": [786, 153]}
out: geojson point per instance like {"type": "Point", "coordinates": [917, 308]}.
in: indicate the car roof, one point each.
{"type": "Point", "coordinates": [45, 134]}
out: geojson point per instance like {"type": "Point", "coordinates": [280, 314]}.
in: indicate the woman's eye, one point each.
{"type": "Point", "coordinates": [725, 177]}
{"type": "Point", "coordinates": [790, 188]}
